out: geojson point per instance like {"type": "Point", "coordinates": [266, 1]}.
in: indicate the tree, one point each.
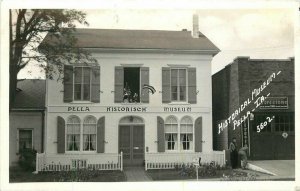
{"type": "Point", "coordinates": [27, 29]}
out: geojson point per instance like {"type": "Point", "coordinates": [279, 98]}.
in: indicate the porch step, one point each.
{"type": "Point", "coordinates": [136, 174]}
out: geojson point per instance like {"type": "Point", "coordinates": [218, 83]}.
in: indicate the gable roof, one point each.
{"type": "Point", "coordinates": [30, 94]}
{"type": "Point", "coordinates": [140, 39]}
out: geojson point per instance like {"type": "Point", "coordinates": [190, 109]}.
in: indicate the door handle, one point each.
{"type": "Point", "coordinates": [136, 148]}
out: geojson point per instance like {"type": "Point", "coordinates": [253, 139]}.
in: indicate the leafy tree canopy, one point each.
{"type": "Point", "coordinates": [28, 28]}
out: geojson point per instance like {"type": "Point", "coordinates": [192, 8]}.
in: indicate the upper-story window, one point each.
{"type": "Point", "coordinates": [179, 85]}
{"type": "Point", "coordinates": [81, 83]}
{"type": "Point", "coordinates": [129, 84]}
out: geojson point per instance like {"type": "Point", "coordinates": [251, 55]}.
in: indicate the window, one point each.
{"type": "Point", "coordinates": [284, 122]}
{"type": "Point", "coordinates": [186, 133]}
{"type": "Point", "coordinates": [25, 139]}
{"type": "Point", "coordinates": [89, 134]}
{"type": "Point", "coordinates": [171, 131]}
{"type": "Point", "coordinates": [182, 135]}
{"type": "Point", "coordinates": [81, 136]}
{"type": "Point", "coordinates": [178, 84]}
{"type": "Point", "coordinates": [73, 134]}
{"type": "Point", "coordinates": [82, 83]}
{"type": "Point", "coordinates": [131, 92]}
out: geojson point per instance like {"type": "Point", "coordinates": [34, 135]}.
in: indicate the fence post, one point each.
{"type": "Point", "coordinates": [36, 163]}
{"type": "Point", "coordinates": [224, 157]}
{"type": "Point", "coordinates": [121, 160]}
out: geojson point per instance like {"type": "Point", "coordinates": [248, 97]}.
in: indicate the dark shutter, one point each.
{"type": "Point", "coordinates": [192, 85]}
{"type": "Point", "coordinates": [166, 85]}
{"type": "Point", "coordinates": [60, 135]}
{"type": "Point", "coordinates": [144, 80]}
{"type": "Point", "coordinates": [160, 135]}
{"type": "Point", "coordinates": [101, 135]}
{"type": "Point", "coordinates": [119, 84]}
{"type": "Point", "coordinates": [68, 83]}
{"type": "Point", "coordinates": [95, 92]}
{"type": "Point", "coordinates": [198, 134]}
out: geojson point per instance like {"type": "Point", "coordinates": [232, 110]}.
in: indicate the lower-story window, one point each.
{"type": "Point", "coordinates": [25, 139]}
{"type": "Point", "coordinates": [81, 136]}
{"type": "Point", "coordinates": [89, 134]}
{"type": "Point", "coordinates": [73, 133]}
{"type": "Point", "coordinates": [171, 141]}
{"type": "Point", "coordinates": [186, 133]}
{"type": "Point", "coordinates": [179, 138]}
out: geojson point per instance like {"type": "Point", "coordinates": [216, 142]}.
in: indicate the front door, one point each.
{"type": "Point", "coordinates": [131, 143]}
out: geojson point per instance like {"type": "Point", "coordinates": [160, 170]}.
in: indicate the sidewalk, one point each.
{"type": "Point", "coordinates": [136, 174]}
{"type": "Point", "coordinates": [283, 169]}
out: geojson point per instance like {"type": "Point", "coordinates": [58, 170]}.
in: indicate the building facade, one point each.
{"type": "Point", "coordinates": [148, 97]}
{"type": "Point", "coordinates": [254, 101]}
{"type": "Point", "coordinates": [26, 119]}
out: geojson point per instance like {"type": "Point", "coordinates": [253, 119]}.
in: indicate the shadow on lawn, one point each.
{"type": "Point", "coordinates": [17, 174]}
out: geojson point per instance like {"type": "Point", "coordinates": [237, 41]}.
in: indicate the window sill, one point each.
{"type": "Point", "coordinates": [179, 151]}
{"type": "Point", "coordinates": [179, 103]}
{"type": "Point", "coordinates": [138, 103]}
{"type": "Point", "coordinates": [80, 152]}
{"type": "Point", "coordinates": [81, 102]}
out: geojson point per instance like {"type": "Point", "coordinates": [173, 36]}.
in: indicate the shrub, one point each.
{"type": "Point", "coordinates": [27, 159]}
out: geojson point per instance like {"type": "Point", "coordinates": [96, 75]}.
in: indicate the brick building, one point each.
{"type": "Point", "coordinates": [254, 101]}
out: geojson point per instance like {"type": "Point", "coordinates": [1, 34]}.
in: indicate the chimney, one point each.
{"type": "Point", "coordinates": [195, 33]}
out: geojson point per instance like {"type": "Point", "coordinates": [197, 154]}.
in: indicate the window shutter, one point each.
{"type": "Point", "coordinates": [60, 135]}
{"type": "Point", "coordinates": [192, 85]}
{"type": "Point", "coordinates": [101, 135]}
{"type": "Point", "coordinates": [166, 85]}
{"type": "Point", "coordinates": [95, 92]}
{"type": "Point", "coordinates": [160, 135]}
{"type": "Point", "coordinates": [68, 83]}
{"type": "Point", "coordinates": [119, 84]}
{"type": "Point", "coordinates": [198, 134]}
{"type": "Point", "coordinates": [144, 80]}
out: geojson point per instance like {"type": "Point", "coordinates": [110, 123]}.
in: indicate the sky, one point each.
{"type": "Point", "coordinates": [257, 33]}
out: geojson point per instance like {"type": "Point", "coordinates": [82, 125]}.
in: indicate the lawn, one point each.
{"type": "Point", "coordinates": [222, 174]}
{"type": "Point", "coordinates": [16, 175]}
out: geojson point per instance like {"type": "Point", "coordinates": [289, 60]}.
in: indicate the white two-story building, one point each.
{"type": "Point", "coordinates": [147, 101]}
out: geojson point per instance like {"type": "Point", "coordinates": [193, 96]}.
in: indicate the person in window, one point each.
{"type": "Point", "coordinates": [233, 153]}
{"type": "Point", "coordinates": [243, 156]}
{"type": "Point", "coordinates": [127, 94]}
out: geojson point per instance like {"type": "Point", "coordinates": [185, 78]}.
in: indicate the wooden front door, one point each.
{"type": "Point", "coordinates": [131, 143]}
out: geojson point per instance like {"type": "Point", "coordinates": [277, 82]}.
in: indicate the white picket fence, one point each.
{"type": "Point", "coordinates": [67, 162]}
{"type": "Point", "coordinates": [170, 160]}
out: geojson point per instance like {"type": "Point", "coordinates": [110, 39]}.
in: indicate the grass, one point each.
{"type": "Point", "coordinates": [17, 175]}
{"type": "Point", "coordinates": [172, 174]}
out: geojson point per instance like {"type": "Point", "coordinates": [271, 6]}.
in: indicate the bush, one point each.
{"type": "Point", "coordinates": [205, 170]}
{"type": "Point", "coordinates": [27, 159]}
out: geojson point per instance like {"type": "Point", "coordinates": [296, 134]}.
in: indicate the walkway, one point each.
{"type": "Point", "coordinates": [136, 174]}
{"type": "Point", "coordinates": [282, 168]}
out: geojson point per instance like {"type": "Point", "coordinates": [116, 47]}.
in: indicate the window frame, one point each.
{"type": "Point", "coordinates": [178, 134]}
{"type": "Point", "coordinates": [18, 137]}
{"type": "Point", "coordinates": [82, 84]}
{"type": "Point", "coordinates": [178, 85]}
{"type": "Point", "coordinates": [81, 141]}
{"type": "Point", "coordinates": [193, 134]}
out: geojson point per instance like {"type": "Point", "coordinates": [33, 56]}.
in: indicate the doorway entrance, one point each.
{"type": "Point", "coordinates": [132, 140]}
